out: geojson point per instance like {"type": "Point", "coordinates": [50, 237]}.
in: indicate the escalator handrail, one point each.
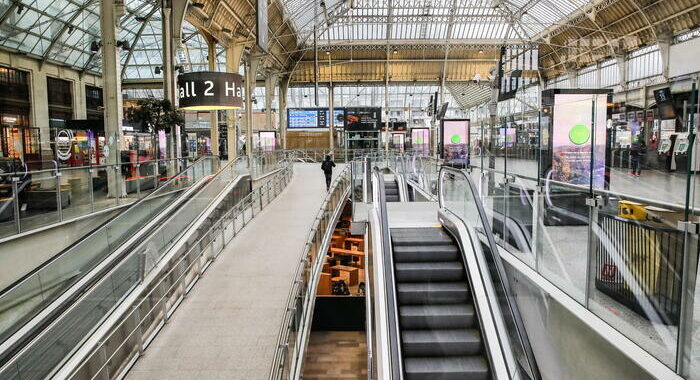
{"type": "Point", "coordinates": [95, 230]}
{"type": "Point", "coordinates": [502, 278]}
{"type": "Point", "coordinates": [379, 204]}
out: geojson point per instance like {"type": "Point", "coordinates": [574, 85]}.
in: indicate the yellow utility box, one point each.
{"type": "Point", "coordinates": [631, 210]}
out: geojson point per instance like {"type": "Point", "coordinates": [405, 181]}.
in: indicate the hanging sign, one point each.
{"type": "Point", "coordinates": [209, 91]}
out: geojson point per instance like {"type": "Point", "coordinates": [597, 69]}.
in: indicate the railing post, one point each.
{"type": "Point", "coordinates": [595, 204]}
{"type": "Point", "coordinates": [59, 199]}
{"type": "Point", "coordinates": [688, 280]}
{"type": "Point", "coordinates": [138, 181]}
{"type": "Point", "coordinates": [15, 203]}
{"type": "Point", "coordinates": [91, 191]}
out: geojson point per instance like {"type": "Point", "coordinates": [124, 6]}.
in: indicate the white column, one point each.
{"type": "Point", "coordinates": [213, 115]}
{"type": "Point", "coordinates": [233, 61]}
{"type": "Point", "coordinates": [251, 69]}
{"type": "Point", "coordinates": [110, 13]}
{"type": "Point", "coordinates": [40, 112]}
{"type": "Point", "coordinates": [284, 87]}
{"type": "Point", "coordinates": [331, 119]}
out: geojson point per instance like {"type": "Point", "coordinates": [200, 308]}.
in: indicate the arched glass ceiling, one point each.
{"type": "Point", "coordinates": [375, 20]}
{"type": "Point", "coordinates": [61, 31]}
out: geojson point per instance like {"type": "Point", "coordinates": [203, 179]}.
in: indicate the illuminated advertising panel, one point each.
{"type": "Point", "coordinates": [267, 141]}
{"type": "Point", "coordinates": [397, 141]}
{"type": "Point", "coordinates": [576, 137]}
{"type": "Point", "coordinates": [420, 141]}
{"type": "Point", "coordinates": [455, 142]}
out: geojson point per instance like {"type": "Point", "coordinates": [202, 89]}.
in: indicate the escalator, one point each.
{"type": "Point", "coordinates": [441, 306]}
{"type": "Point", "coordinates": [32, 305]}
{"type": "Point", "coordinates": [391, 189]}
{"type": "Point", "coordinates": [439, 328]}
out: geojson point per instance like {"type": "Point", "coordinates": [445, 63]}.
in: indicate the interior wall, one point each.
{"type": "Point", "coordinates": [307, 140]}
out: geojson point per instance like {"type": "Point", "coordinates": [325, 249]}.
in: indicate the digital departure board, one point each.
{"type": "Point", "coordinates": [312, 118]}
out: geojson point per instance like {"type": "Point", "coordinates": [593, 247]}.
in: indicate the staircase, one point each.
{"type": "Point", "coordinates": [440, 335]}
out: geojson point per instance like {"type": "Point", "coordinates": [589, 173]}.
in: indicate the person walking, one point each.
{"type": "Point", "coordinates": [327, 167]}
{"type": "Point", "coordinates": [636, 157]}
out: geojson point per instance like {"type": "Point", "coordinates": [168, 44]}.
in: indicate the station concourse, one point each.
{"type": "Point", "coordinates": [514, 189]}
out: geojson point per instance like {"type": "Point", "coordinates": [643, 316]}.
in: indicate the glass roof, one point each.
{"type": "Point", "coordinates": [373, 20]}
{"type": "Point", "coordinates": [61, 31]}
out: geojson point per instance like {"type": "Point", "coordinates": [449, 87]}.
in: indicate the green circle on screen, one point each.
{"type": "Point", "coordinates": [455, 139]}
{"type": "Point", "coordinates": [419, 140]}
{"type": "Point", "coordinates": [579, 134]}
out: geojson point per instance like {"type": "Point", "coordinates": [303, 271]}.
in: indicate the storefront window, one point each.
{"type": "Point", "coordinates": [17, 139]}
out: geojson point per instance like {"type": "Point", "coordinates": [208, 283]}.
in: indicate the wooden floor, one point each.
{"type": "Point", "coordinates": [336, 355]}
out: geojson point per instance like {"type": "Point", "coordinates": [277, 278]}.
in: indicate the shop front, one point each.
{"type": "Point", "coordinates": [18, 140]}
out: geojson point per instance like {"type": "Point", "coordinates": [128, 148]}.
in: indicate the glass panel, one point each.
{"type": "Point", "coordinates": [38, 201]}
{"type": "Point", "coordinates": [77, 182]}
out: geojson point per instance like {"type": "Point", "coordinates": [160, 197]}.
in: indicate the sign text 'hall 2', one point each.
{"type": "Point", "coordinates": [208, 90]}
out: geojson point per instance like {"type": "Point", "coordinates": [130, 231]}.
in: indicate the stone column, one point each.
{"type": "Point", "coordinates": [233, 61]}
{"type": "Point", "coordinates": [284, 87]}
{"type": "Point", "coordinates": [110, 12]}
{"type": "Point", "coordinates": [213, 115]}
{"type": "Point", "coordinates": [250, 73]}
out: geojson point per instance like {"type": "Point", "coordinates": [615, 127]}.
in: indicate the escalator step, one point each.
{"type": "Point", "coordinates": [437, 316]}
{"type": "Point", "coordinates": [429, 271]}
{"type": "Point", "coordinates": [392, 191]}
{"type": "Point", "coordinates": [432, 293]}
{"type": "Point", "coordinates": [424, 343]}
{"type": "Point", "coordinates": [420, 237]}
{"type": "Point", "coordinates": [454, 368]}
{"type": "Point", "coordinates": [391, 185]}
{"type": "Point", "coordinates": [392, 198]}
{"type": "Point", "coordinates": [407, 253]}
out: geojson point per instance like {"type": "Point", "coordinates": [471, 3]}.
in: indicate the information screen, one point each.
{"type": "Point", "coordinates": [306, 118]}
{"type": "Point", "coordinates": [363, 119]}
{"type": "Point", "coordinates": [576, 136]}
{"type": "Point", "coordinates": [420, 141]}
{"type": "Point", "coordinates": [398, 141]}
{"type": "Point", "coordinates": [455, 141]}
{"type": "Point", "coordinates": [506, 137]}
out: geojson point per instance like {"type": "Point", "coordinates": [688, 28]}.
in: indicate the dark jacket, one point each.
{"type": "Point", "coordinates": [327, 167]}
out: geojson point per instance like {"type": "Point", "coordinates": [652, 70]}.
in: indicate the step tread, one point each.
{"type": "Point", "coordinates": [441, 336]}
{"type": "Point", "coordinates": [422, 293]}
{"type": "Point", "coordinates": [460, 367]}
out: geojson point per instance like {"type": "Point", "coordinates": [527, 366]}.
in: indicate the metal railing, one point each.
{"type": "Point", "coordinates": [293, 335]}
{"type": "Point", "coordinates": [166, 285]}
{"type": "Point", "coordinates": [459, 195]}
{"type": "Point", "coordinates": [30, 200]}
{"type": "Point", "coordinates": [90, 300]}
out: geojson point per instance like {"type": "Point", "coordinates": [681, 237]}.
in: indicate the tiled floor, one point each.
{"type": "Point", "coordinates": [336, 355]}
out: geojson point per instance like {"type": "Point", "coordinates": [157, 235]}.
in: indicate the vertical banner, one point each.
{"type": "Point", "coordinates": [578, 139]}
{"type": "Point", "coordinates": [455, 142]}
{"type": "Point", "coordinates": [420, 141]}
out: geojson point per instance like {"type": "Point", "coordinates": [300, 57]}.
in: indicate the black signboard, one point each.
{"type": "Point", "coordinates": [396, 126]}
{"type": "Point", "coordinates": [664, 100]}
{"type": "Point", "coordinates": [363, 119]}
{"type": "Point", "coordinates": [208, 91]}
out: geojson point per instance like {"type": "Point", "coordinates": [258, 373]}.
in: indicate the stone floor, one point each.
{"type": "Point", "coordinates": [227, 326]}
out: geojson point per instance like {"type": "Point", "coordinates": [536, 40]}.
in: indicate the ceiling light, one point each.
{"type": "Point", "coordinates": [396, 51]}
{"type": "Point", "coordinates": [481, 51]}
{"type": "Point", "coordinates": [124, 44]}
{"type": "Point", "coordinates": [226, 30]}
{"type": "Point", "coordinates": [198, 5]}
{"type": "Point", "coordinates": [70, 29]}
{"type": "Point", "coordinates": [20, 8]}
{"type": "Point", "coordinates": [157, 70]}
{"type": "Point", "coordinates": [140, 19]}
{"type": "Point", "coordinates": [328, 52]}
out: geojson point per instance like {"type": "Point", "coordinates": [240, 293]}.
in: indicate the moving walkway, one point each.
{"type": "Point", "coordinates": [47, 314]}
{"type": "Point", "coordinates": [440, 305]}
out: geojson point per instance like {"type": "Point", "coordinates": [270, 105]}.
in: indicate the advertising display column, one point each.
{"type": "Point", "coordinates": [455, 142]}
{"type": "Point", "coordinates": [577, 152]}
{"type": "Point", "coordinates": [420, 141]}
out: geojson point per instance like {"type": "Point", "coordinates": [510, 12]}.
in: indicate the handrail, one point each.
{"type": "Point", "coordinates": [304, 283]}
{"type": "Point", "coordinates": [379, 204]}
{"type": "Point", "coordinates": [511, 312]}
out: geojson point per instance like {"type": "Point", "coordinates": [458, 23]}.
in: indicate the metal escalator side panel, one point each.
{"type": "Point", "coordinates": [62, 302]}
{"type": "Point", "coordinates": [497, 342]}
{"type": "Point", "coordinates": [385, 291]}
{"type": "Point", "coordinates": [497, 276]}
